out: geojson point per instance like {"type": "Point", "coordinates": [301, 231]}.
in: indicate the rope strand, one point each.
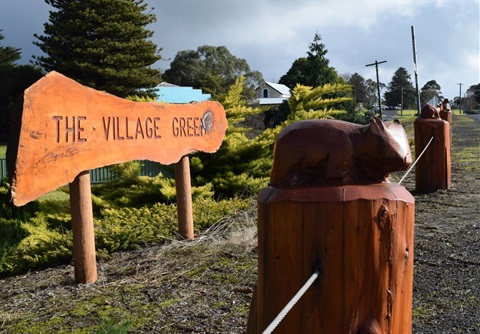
{"type": "Point", "coordinates": [291, 303]}
{"type": "Point", "coordinates": [408, 171]}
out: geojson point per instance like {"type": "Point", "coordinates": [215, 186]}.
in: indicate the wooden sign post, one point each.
{"type": "Point", "coordinates": [67, 129]}
{"type": "Point", "coordinates": [82, 229]}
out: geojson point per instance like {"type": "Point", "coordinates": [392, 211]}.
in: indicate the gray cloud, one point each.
{"type": "Point", "coordinates": [271, 34]}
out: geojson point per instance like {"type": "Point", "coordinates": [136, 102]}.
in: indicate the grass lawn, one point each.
{"type": "Point", "coordinates": [3, 150]}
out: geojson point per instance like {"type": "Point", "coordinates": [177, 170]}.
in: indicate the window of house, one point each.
{"type": "Point", "coordinates": [265, 93]}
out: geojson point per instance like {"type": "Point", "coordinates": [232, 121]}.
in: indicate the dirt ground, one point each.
{"type": "Point", "coordinates": [446, 293]}
{"type": "Point", "coordinates": [206, 286]}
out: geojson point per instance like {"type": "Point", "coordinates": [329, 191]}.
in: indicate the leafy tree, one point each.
{"type": "Point", "coordinates": [472, 98]}
{"type": "Point", "coordinates": [360, 88]}
{"type": "Point", "coordinates": [102, 44]}
{"type": "Point", "coordinates": [400, 83]}
{"type": "Point", "coordinates": [475, 91]}
{"type": "Point", "coordinates": [430, 90]}
{"type": "Point", "coordinates": [8, 54]}
{"type": "Point", "coordinates": [313, 70]}
{"type": "Point", "coordinates": [372, 96]}
{"type": "Point", "coordinates": [212, 69]}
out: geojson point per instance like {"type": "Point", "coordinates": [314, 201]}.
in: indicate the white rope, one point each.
{"type": "Point", "coordinates": [413, 165]}
{"type": "Point", "coordinates": [291, 303]}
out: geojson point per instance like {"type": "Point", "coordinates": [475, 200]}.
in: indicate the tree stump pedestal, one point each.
{"type": "Point", "coordinates": [433, 170]}
{"type": "Point", "coordinates": [446, 116]}
{"type": "Point", "coordinates": [359, 237]}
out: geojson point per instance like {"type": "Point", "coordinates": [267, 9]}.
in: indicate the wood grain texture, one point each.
{"type": "Point", "coordinates": [67, 128]}
{"type": "Point", "coordinates": [433, 171]}
{"type": "Point", "coordinates": [82, 229]}
{"type": "Point", "coordinates": [360, 237]}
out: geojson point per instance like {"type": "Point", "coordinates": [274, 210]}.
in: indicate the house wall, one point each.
{"type": "Point", "coordinates": [272, 93]}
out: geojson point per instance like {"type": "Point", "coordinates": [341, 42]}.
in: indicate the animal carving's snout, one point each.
{"type": "Point", "coordinates": [408, 160]}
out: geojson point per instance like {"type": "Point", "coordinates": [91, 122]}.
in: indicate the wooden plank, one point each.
{"type": "Point", "coordinates": [67, 128]}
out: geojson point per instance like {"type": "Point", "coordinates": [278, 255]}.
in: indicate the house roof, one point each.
{"type": "Point", "coordinates": [282, 89]}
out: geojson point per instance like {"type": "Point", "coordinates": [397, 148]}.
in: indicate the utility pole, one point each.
{"type": "Point", "coordinates": [460, 98]}
{"type": "Point", "coordinates": [376, 63]}
{"type": "Point", "coordinates": [401, 103]}
{"type": "Point", "coordinates": [415, 69]}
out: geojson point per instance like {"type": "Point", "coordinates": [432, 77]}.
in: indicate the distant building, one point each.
{"type": "Point", "coordinates": [170, 93]}
{"type": "Point", "coordinates": [270, 94]}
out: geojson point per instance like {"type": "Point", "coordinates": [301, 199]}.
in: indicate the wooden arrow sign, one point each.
{"type": "Point", "coordinates": [67, 128]}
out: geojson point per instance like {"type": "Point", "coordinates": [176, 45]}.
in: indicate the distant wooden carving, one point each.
{"type": "Point", "coordinates": [329, 152]}
{"type": "Point", "coordinates": [433, 170]}
{"type": "Point", "coordinates": [428, 111]}
{"type": "Point", "coordinates": [446, 111]}
{"type": "Point", "coordinates": [67, 128]}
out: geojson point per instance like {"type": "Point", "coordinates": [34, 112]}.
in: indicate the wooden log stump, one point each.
{"type": "Point", "coordinates": [360, 237]}
{"type": "Point", "coordinates": [433, 169]}
{"type": "Point", "coordinates": [446, 116]}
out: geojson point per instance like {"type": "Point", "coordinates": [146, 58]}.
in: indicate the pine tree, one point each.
{"type": "Point", "coordinates": [14, 79]}
{"type": "Point", "coordinates": [313, 70]}
{"type": "Point", "coordinates": [8, 54]}
{"type": "Point", "coordinates": [401, 82]}
{"type": "Point", "coordinates": [102, 44]}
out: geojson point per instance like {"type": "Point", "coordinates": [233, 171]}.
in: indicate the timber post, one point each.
{"type": "Point", "coordinates": [184, 198]}
{"type": "Point", "coordinates": [433, 171]}
{"type": "Point", "coordinates": [82, 227]}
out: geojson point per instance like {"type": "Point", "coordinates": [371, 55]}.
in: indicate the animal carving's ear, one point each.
{"type": "Point", "coordinates": [377, 125]}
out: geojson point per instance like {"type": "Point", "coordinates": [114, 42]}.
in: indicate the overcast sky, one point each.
{"type": "Point", "coordinates": [271, 34]}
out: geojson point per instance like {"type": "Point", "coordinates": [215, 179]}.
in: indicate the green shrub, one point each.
{"type": "Point", "coordinates": [47, 239]}
{"type": "Point", "coordinates": [10, 211]}
{"type": "Point", "coordinates": [40, 246]}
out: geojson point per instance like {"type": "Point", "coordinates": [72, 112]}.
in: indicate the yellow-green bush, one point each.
{"type": "Point", "coordinates": [44, 241]}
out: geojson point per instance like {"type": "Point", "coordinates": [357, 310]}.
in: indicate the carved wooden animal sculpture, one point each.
{"type": "Point", "coordinates": [329, 152]}
{"type": "Point", "coordinates": [429, 111]}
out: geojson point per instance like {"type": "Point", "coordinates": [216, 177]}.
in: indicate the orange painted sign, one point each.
{"type": "Point", "coordinates": [67, 128]}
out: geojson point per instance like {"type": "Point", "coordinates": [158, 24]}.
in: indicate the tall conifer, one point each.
{"type": "Point", "coordinates": [8, 54]}
{"type": "Point", "coordinates": [103, 44]}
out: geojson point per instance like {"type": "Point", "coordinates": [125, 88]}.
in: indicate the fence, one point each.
{"type": "Point", "coordinates": [104, 174]}
{"type": "Point", "coordinates": [3, 168]}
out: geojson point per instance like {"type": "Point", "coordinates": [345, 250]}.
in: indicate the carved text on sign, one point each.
{"type": "Point", "coordinates": [67, 128]}
{"type": "Point", "coordinates": [72, 129]}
